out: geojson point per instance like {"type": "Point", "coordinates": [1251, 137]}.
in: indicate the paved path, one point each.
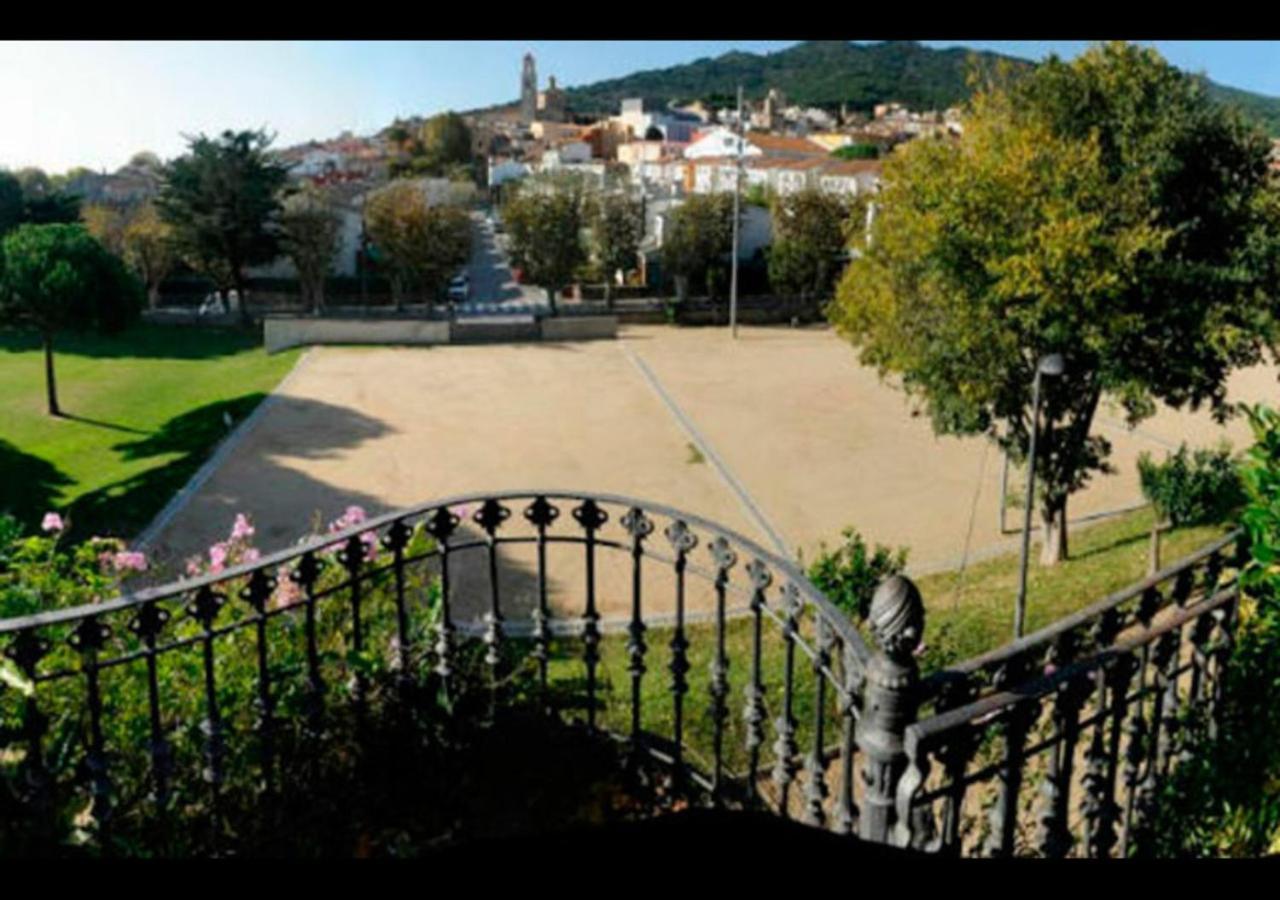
{"type": "Point", "coordinates": [798, 441]}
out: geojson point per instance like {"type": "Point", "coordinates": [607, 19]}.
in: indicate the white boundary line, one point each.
{"type": "Point", "coordinates": [219, 455]}
{"type": "Point", "coordinates": [736, 486]}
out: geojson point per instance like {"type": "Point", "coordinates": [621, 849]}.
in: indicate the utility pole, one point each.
{"type": "Point", "coordinates": [737, 204]}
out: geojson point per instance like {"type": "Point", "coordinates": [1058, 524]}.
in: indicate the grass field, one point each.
{"type": "Point", "coordinates": [966, 614]}
{"type": "Point", "coordinates": [142, 410]}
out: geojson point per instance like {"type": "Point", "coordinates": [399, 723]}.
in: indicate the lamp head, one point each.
{"type": "Point", "coordinates": [1051, 364]}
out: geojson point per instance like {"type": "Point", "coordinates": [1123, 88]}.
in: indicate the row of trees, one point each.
{"type": "Point", "coordinates": [222, 208]}
{"type": "Point", "coordinates": [561, 229]}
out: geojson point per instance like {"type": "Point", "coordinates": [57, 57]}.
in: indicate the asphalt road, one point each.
{"type": "Point", "coordinates": [492, 283]}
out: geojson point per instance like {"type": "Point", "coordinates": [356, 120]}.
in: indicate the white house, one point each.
{"type": "Point", "coordinates": [504, 170]}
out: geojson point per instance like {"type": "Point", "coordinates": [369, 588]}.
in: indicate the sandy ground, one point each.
{"type": "Point", "coordinates": [813, 441]}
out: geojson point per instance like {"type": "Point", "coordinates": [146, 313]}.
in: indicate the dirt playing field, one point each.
{"type": "Point", "coordinates": [780, 435]}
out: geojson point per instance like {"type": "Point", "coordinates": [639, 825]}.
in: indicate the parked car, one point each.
{"type": "Point", "coordinates": [460, 289]}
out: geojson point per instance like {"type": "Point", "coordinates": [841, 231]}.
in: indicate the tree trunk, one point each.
{"type": "Point", "coordinates": [51, 385]}
{"type": "Point", "coordinates": [1153, 555]}
{"type": "Point", "coordinates": [551, 298]}
{"type": "Point", "coordinates": [243, 301]}
{"type": "Point", "coordinates": [1054, 548]}
{"type": "Point", "coordinates": [153, 295]}
{"type": "Point", "coordinates": [608, 292]}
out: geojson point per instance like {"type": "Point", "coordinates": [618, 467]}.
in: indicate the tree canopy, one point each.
{"type": "Point", "coordinates": [423, 245]}
{"type": "Point", "coordinates": [698, 240]}
{"type": "Point", "coordinates": [617, 227]}
{"type": "Point", "coordinates": [1105, 209]}
{"type": "Point", "coordinates": [809, 238]}
{"type": "Point", "coordinates": [222, 200]}
{"type": "Point", "coordinates": [312, 236]}
{"type": "Point", "coordinates": [545, 219]}
{"type": "Point", "coordinates": [58, 277]}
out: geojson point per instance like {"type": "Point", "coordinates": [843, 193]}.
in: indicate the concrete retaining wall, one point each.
{"type": "Point", "coordinates": [281, 333]}
{"type": "Point", "coordinates": [579, 328]}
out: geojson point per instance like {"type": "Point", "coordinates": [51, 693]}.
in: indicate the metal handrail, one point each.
{"type": "Point", "coordinates": [834, 617]}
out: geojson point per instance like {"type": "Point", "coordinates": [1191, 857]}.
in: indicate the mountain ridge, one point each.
{"type": "Point", "coordinates": [830, 73]}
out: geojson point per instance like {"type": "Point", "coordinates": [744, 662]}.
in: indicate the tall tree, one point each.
{"type": "Point", "coordinates": [617, 227]}
{"type": "Point", "coordinates": [107, 224]}
{"type": "Point", "coordinates": [149, 249]}
{"type": "Point", "coordinates": [58, 277]}
{"type": "Point", "coordinates": [424, 245]}
{"type": "Point", "coordinates": [446, 140]}
{"type": "Point", "coordinates": [1104, 209]}
{"type": "Point", "coordinates": [222, 199]}
{"type": "Point", "coordinates": [809, 238]}
{"type": "Point", "coordinates": [545, 219]}
{"type": "Point", "coordinates": [312, 236]}
{"type": "Point", "coordinates": [699, 240]}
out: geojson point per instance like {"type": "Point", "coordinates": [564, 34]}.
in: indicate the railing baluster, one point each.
{"type": "Point", "coordinates": [724, 559]}
{"type": "Point", "coordinates": [351, 557]}
{"type": "Point", "coordinates": [1054, 836]}
{"type": "Point", "coordinates": [87, 639]}
{"type": "Point", "coordinates": [682, 541]}
{"type": "Point", "coordinates": [541, 514]}
{"type": "Point", "coordinates": [257, 592]}
{"type": "Point", "coordinates": [396, 540]}
{"type": "Point", "coordinates": [27, 649]}
{"type": "Point", "coordinates": [590, 516]}
{"type": "Point", "coordinates": [785, 764]}
{"type": "Point", "coordinates": [306, 575]}
{"type": "Point", "coordinates": [816, 791]}
{"type": "Point", "coordinates": [1098, 804]}
{"type": "Point", "coordinates": [147, 625]}
{"type": "Point", "coordinates": [441, 525]}
{"type": "Point", "coordinates": [754, 710]}
{"type": "Point", "coordinates": [639, 526]}
{"type": "Point", "coordinates": [955, 754]}
{"type": "Point", "coordinates": [490, 516]}
{"type": "Point", "coordinates": [1015, 722]}
{"type": "Point", "coordinates": [204, 609]}
{"type": "Point", "coordinates": [846, 819]}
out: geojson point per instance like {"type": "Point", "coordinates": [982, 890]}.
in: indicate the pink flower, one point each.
{"type": "Point", "coordinates": [287, 591]}
{"type": "Point", "coordinates": [193, 566]}
{"type": "Point", "coordinates": [354, 515]}
{"type": "Point", "coordinates": [462, 510]}
{"type": "Point", "coordinates": [241, 528]}
{"type": "Point", "coordinates": [250, 555]}
{"type": "Point", "coordinates": [919, 651]}
{"type": "Point", "coordinates": [1050, 668]}
{"type": "Point", "coordinates": [127, 560]}
{"type": "Point", "coordinates": [370, 539]}
{"type": "Point", "coordinates": [217, 557]}
{"type": "Point", "coordinates": [52, 522]}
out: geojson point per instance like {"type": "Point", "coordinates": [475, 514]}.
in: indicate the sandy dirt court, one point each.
{"type": "Point", "coordinates": [794, 441]}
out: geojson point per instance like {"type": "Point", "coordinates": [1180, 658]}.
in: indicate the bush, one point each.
{"type": "Point", "coordinates": [848, 575]}
{"type": "Point", "coordinates": [1191, 488]}
{"type": "Point", "coordinates": [1225, 800]}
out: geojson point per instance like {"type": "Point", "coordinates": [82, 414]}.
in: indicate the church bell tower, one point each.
{"type": "Point", "coordinates": [528, 90]}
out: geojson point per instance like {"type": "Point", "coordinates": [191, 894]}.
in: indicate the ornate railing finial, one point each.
{"type": "Point", "coordinates": [897, 617]}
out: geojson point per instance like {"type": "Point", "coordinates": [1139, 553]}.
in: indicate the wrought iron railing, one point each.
{"type": "Point", "coordinates": [766, 694]}
{"type": "Point", "coordinates": [1057, 744]}
{"type": "Point", "coordinates": [527, 576]}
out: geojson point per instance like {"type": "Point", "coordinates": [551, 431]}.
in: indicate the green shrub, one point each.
{"type": "Point", "coordinates": [849, 574]}
{"type": "Point", "coordinates": [1225, 800]}
{"type": "Point", "coordinates": [1191, 487]}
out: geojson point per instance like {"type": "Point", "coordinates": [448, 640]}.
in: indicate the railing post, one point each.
{"type": "Point", "coordinates": [890, 698]}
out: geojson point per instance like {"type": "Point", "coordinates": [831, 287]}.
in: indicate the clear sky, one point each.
{"type": "Point", "coordinates": [94, 104]}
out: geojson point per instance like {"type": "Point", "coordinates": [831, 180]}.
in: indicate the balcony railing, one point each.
{"type": "Point", "coordinates": [702, 653]}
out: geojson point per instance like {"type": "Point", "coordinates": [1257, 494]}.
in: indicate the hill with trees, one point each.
{"type": "Point", "coordinates": [829, 73]}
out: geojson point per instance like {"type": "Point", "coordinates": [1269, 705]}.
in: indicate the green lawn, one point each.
{"type": "Point", "coordinates": [142, 410]}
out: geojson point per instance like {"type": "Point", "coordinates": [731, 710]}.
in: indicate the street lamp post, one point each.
{"type": "Point", "coordinates": [1051, 365]}
{"type": "Point", "coordinates": [737, 200]}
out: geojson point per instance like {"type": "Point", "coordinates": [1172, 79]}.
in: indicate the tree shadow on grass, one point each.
{"type": "Point", "coordinates": [141, 341]}
{"type": "Point", "coordinates": [29, 485]}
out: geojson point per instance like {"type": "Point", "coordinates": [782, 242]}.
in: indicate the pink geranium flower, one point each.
{"type": "Point", "coordinates": [250, 555]}
{"type": "Point", "coordinates": [130, 561]}
{"type": "Point", "coordinates": [52, 523]}
{"type": "Point", "coordinates": [241, 529]}
{"type": "Point", "coordinates": [217, 557]}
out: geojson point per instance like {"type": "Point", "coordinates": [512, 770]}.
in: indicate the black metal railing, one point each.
{"type": "Point", "coordinates": [185, 681]}
{"type": "Point", "coordinates": [1057, 744]}
{"type": "Point", "coordinates": [698, 650]}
